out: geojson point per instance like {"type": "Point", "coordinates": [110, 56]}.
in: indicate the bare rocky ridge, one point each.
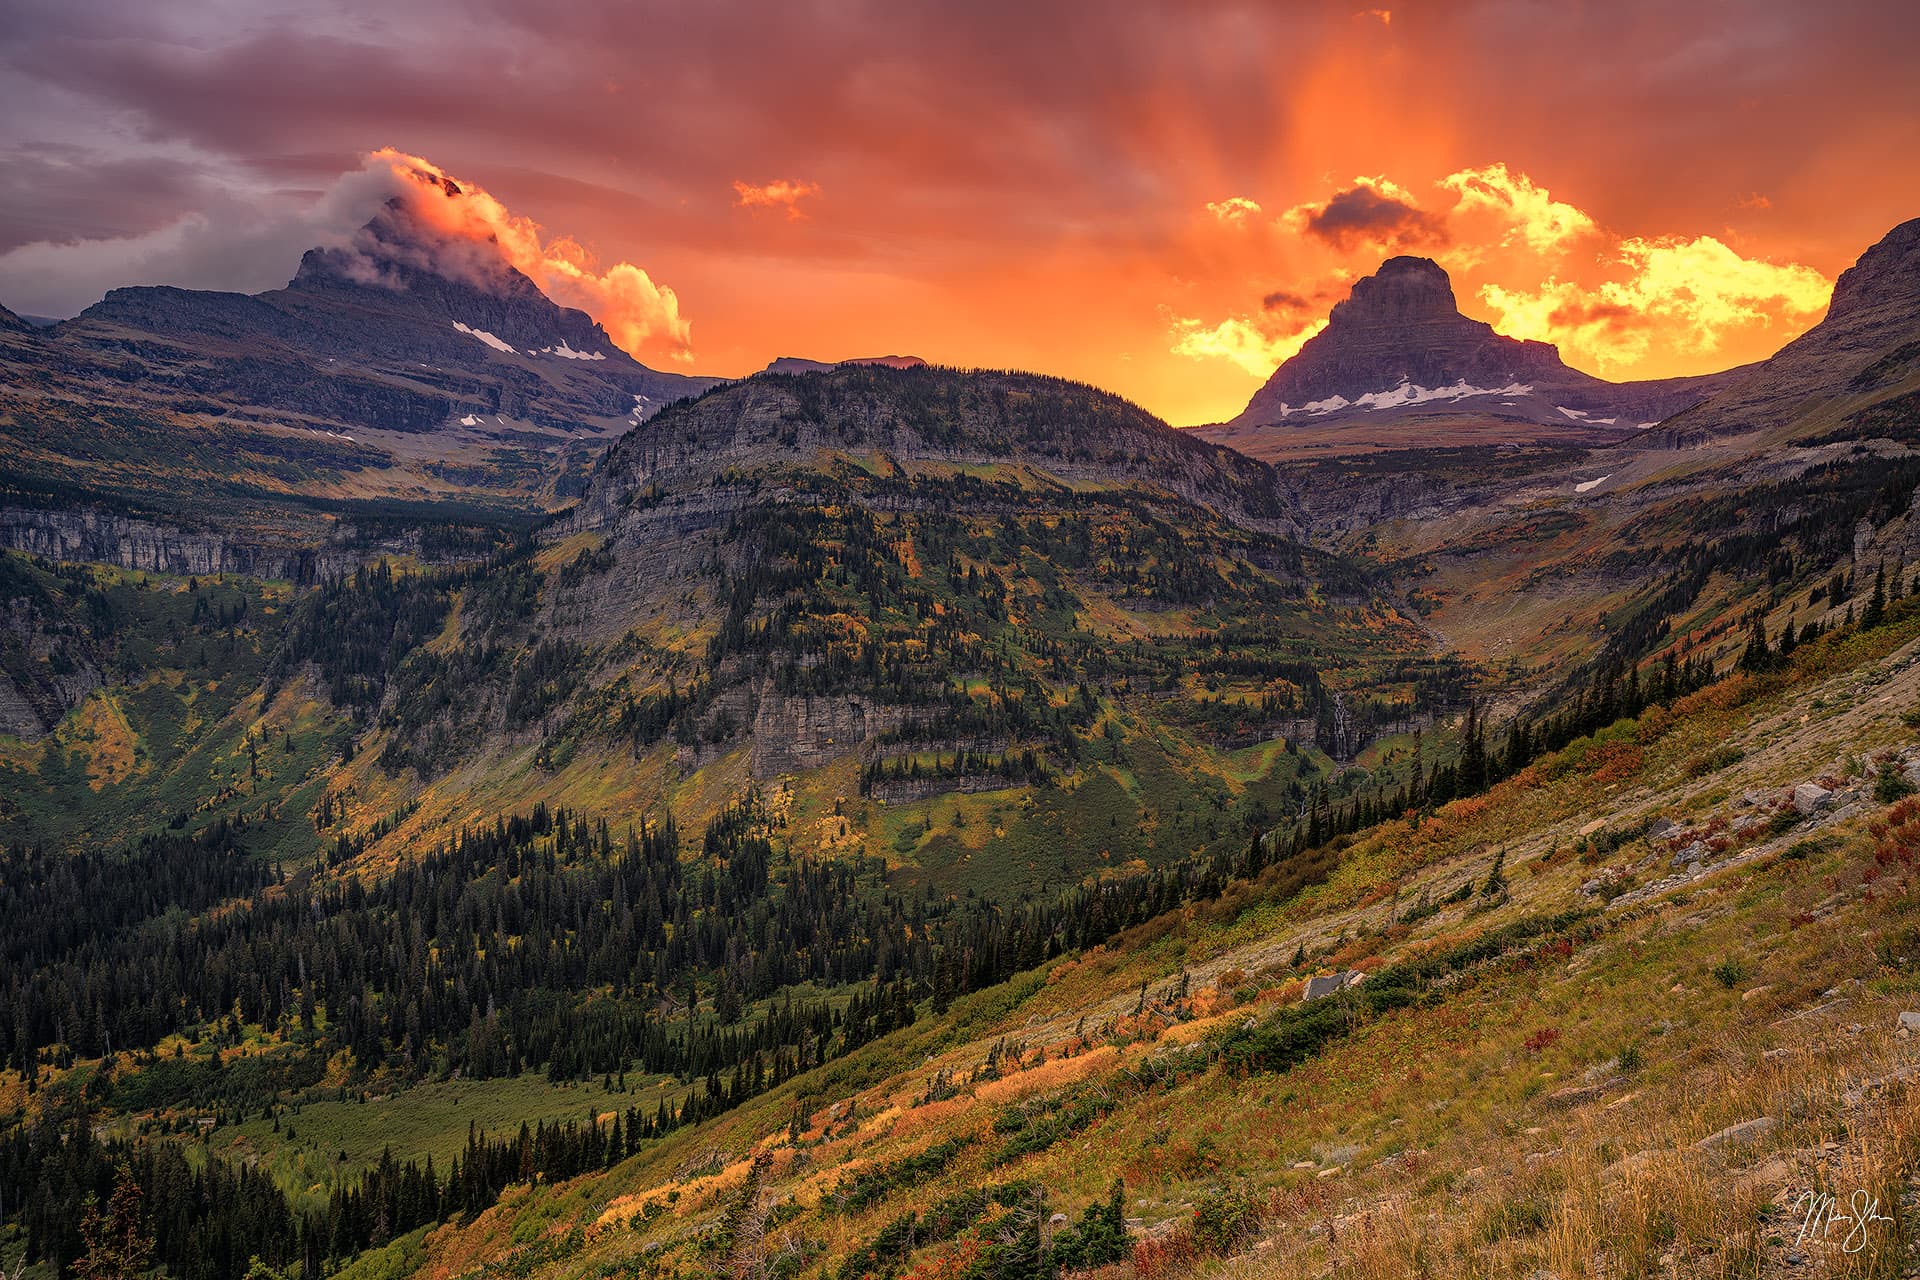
{"type": "Point", "coordinates": [800, 364]}
{"type": "Point", "coordinates": [1867, 347]}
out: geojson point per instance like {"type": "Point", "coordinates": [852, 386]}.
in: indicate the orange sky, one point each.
{"type": "Point", "coordinates": [1159, 199]}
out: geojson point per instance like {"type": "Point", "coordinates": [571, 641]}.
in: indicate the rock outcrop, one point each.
{"type": "Point", "coordinates": [90, 535]}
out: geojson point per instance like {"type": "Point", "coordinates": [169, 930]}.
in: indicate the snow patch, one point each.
{"type": "Point", "coordinates": [1654, 423]}
{"type": "Point", "coordinates": [486, 337]}
{"type": "Point", "coordinates": [469, 421]}
{"type": "Point", "coordinates": [1586, 486]}
{"type": "Point", "coordinates": [566, 352]}
{"type": "Point", "coordinates": [1407, 393]}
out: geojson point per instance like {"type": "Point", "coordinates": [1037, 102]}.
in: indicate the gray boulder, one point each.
{"type": "Point", "coordinates": [1810, 798]}
{"type": "Point", "coordinates": [1330, 984]}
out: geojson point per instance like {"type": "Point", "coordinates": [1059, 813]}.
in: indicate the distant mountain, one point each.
{"type": "Point", "coordinates": [469, 334]}
{"type": "Point", "coordinates": [797, 364]}
{"type": "Point", "coordinates": [1398, 347]}
{"type": "Point", "coordinates": [409, 364]}
{"type": "Point", "coordinates": [1855, 373]}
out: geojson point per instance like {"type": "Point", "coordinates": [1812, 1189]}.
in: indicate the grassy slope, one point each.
{"type": "Point", "coordinates": [1544, 1111]}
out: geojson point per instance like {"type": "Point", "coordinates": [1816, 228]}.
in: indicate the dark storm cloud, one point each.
{"type": "Point", "coordinates": [1367, 215]}
{"type": "Point", "coordinates": [58, 193]}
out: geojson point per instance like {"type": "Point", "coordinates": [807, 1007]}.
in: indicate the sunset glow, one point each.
{"type": "Point", "coordinates": [1165, 204]}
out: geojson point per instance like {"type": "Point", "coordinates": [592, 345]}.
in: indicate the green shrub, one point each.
{"type": "Point", "coordinates": [1100, 1237]}
{"type": "Point", "coordinates": [1892, 784]}
{"type": "Point", "coordinates": [1224, 1219]}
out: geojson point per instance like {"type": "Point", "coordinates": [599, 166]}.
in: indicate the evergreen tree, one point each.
{"type": "Point", "coordinates": [1876, 611]}
{"type": "Point", "coordinates": [1758, 655]}
{"type": "Point", "coordinates": [1497, 877]}
{"type": "Point", "coordinates": [116, 1245]}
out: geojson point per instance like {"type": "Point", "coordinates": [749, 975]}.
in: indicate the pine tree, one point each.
{"type": "Point", "coordinates": [116, 1245]}
{"type": "Point", "coordinates": [1876, 611]}
{"type": "Point", "coordinates": [1497, 877]}
{"type": "Point", "coordinates": [1758, 656]}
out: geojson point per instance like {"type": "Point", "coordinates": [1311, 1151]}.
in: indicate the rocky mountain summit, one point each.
{"type": "Point", "coordinates": [1398, 346]}
{"type": "Point", "coordinates": [920, 421]}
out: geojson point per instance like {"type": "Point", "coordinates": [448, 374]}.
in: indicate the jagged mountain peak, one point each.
{"type": "Point", "coordinates": [1398, 341]}
{"type": "Point", "coordinates": [1889, 272]}
{"type": "Point", "coordinates": [401, 261]}
{"type": "Point", "coordinates": [399, 245]}
{"type": "Point", "coordinates": [1404, 288]}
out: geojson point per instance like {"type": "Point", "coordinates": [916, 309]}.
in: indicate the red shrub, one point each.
{"type": "Point", "coordinates": [1163, 1255]}
{"type": "Point", "coordinates": [1542, 1038]}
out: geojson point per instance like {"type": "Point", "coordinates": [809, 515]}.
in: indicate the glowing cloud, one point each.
{"type": "Point", "coordinates": [1636, 309]}
{"type": "Point", "coordinates": [1531, 215]}
{"type": "Point", "coordinates": [782, 193]}
{"type": "Point", "coordinates": [1688, 293]}
{"type": "Point", "coordinates": [1234, 210]}
{"type": "Point", "coordinates": [634, 309]}
{"type": "Point", "coordinates": [1258, 344]}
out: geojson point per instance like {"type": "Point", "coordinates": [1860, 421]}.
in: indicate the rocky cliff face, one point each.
{"type": "Point", "coordinates": [143, 545]}
{"type": "Point", "coordinates": [35, 690]}
{"type": "Point", "coordinates": [1399, 346]}
{"type": "Point", "coordinates": [93, 536]}
{"type": "Point", "coordinates": [793, 733]}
